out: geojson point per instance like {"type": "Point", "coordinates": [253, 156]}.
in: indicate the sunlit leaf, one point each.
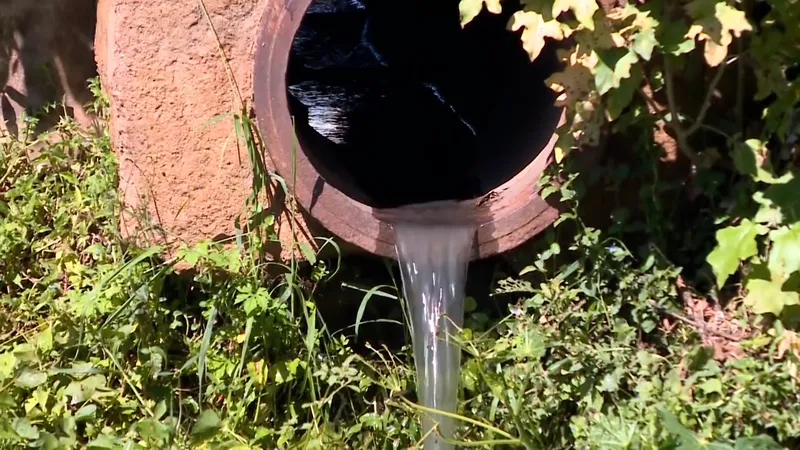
{"type": "Point", "coordinates": [535, 30]}
{"type": "Point", "coordinates": [7, 363]}
{"type": "Point", "coordinates": [644, 42]}
{"type": "Point", "coordinates": [716, 23]}
{"type": "Point", "coordinates": [30, 379]}
{"type": "Point", "coordinates": [469, 9]}
{"type": "Point", "coordinates": [734, 244]}
{"type": "Point", "coordinates": [583, 9]}
{"type": "Point", "coordinates": [784, 256]}
{"type": "Point", "coordinates": [613, 66]}
{"type": "Point", "coordinates": [766, 296]}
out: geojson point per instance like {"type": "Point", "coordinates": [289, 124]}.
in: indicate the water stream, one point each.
{"type": "Point", "coordinates": [433, 262]}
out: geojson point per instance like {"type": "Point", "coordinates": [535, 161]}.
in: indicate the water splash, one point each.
{"type": "Point", "coordinates": [433, 261]}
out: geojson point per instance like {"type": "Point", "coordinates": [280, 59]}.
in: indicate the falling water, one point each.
{"type": "Point", "coordinates": [433, 261]}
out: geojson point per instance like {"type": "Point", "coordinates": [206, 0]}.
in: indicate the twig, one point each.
{"type": "Point", "coordinates": [693, 323]}
{"type": "Point", "coordinates": [674, 122]}
{"type": "Point", "coordinates": [706, 101]}
{"type": "Point", "coordinates": [740, 89]}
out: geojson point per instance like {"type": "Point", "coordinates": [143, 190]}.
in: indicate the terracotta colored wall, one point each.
{"type": "Point", "coordinates": [161, 66]}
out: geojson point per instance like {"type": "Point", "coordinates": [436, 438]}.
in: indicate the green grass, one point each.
{"type": "Point", "coordinates": [104, 345]}
{"type": "Point", "coordinates": [613, 338]}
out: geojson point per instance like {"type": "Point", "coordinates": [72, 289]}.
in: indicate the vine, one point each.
{"type": "Point", "coordinates": [619, 58]}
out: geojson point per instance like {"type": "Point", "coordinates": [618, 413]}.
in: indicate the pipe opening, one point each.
{"type": "Point", "coordinates": [397, 105]}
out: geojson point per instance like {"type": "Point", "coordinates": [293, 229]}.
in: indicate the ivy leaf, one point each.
{"type": "Point", "coordinates": [644, 42]}
{"type": "Point", "coordinates": [766, 296]}
{"type": "Point", "coordinates": [612, 67]}
{"type": "Point", "coordinates": [734, 244]}
{"type": "Point", "coordinates": [716, 23]}
{"type": "Point", "coordinates": [583, 9]}
{"type": "Point", "coordinates": [784, 256]}
{"type": "Point", "coordinates": [469, 9]}
{"type": "Point", "coordinates": [536, 29]}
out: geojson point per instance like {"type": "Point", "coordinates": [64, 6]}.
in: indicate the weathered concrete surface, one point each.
{"type": "Point", "coordinates": [182, 178]}
{"type": "Point", "coordinates": [46, 57]}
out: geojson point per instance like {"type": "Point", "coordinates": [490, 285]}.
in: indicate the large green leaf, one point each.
{"type": "Point", "coordinates": [206, 425]}
{"type": "Point", "coordinates": [766, 296]}
{"type": "Point", "coordinates": [734, 244]}
{"type": "Point", "coordinates": [784, 256]}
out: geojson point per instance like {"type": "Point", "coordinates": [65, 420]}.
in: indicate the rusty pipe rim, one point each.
{"type": "Point", "coordinates": [506, 217]}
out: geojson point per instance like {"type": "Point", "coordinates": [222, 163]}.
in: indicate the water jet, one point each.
{"type": "Point", "coordinates": [413, 139]}
{"type": "Point", "coordinates": [370, 160]}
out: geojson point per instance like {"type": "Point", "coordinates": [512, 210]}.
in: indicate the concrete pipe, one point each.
{"type": "Point", "coordinates": [381, 110]}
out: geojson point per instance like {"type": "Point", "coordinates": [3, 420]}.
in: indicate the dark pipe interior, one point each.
{"type": "Point", "coordinates": [395, 104]}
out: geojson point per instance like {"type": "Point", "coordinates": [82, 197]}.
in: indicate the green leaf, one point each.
{"type": "Point", "coordinates": [364, 301]}
{"type": "Point", "coordinates": [612, 67]}
{"type": "Point", "coordinates": [752, 158]}
{"type": "Point", "coordinates": [734, 244]}
{"type": "Point", "coordinates": [85, 413]}
{"type": "Point", "coordinates": [84, 390]}
{"type": "Point", "coordinates": [160, 409]}
{"type": "Point", "coordinates": [711, 386]}
{"type": "Point", "coordinates": [7, 363]}
{"type": "Point", "coordinates": [47, 441]}
{"type": "Point", "coordinates": [469, 9]}
{"type": "Point", "coordinates": [618, 99]}
{"type": "Point", "coordinates": [766, 296]}
{"type": "Point", "coordinates": [784, 256]}
{"type": "Point", "coordinates": [675, 427]}
{"type": "Point", "coordinates": [672, 38]}
{"type": "Point", "coordinates": [610, 382]}
{"type": "Point", "coordinates": [29, 379]}
{"type": "Point", "coordinates": [206, 425]}
{"type": "Point", "coordinates": [768, 212]}
{"type": "Point", "coordinates": [760, 442]}
{"type": "Point", "coordinates": [583, 9]}
{"type": "Point", "coordinates": [308, 253]}
{"type": "Point", "coordinates": [784, 196]}
{"type": "Point", "coordinates": [104, 441]}
{"type": "Point", "coordinates": [44, 340]}
{"type": "Point", "coordinates": [470, 304]}
{"type": "Point", "coordinates": [25, 429]}
{"type": "Point", "coordinates": [644, 42]}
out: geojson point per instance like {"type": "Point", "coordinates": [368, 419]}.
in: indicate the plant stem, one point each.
{"type": "Point", "coordinates": [674, 122]}
{"type": "Point", "coordinates": [706, 101]}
